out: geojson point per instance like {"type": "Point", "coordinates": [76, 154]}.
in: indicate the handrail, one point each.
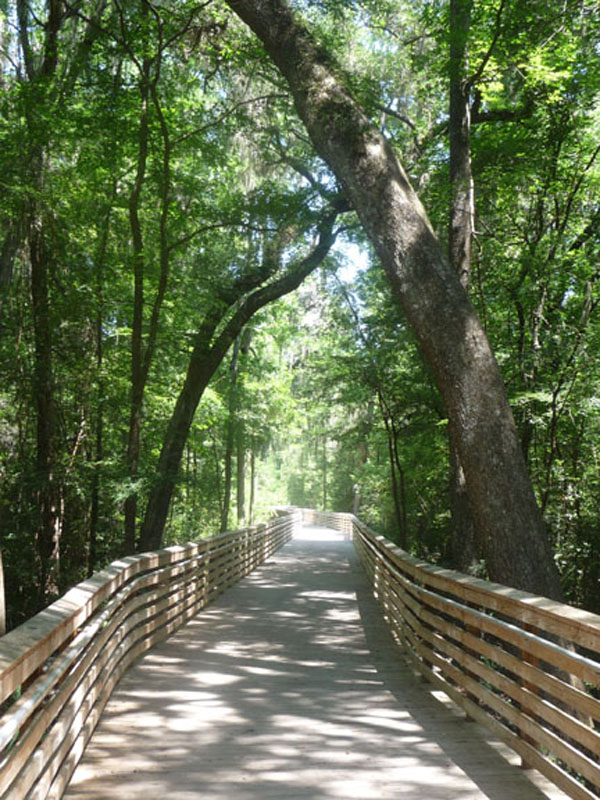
{"type": "Point", "coordinates": [526, 667]}
{"type": "Point", "coordinates": [58, 670]}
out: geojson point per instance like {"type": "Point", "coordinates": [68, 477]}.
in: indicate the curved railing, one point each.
{"type": "Point", "coordinates": [525, 667]}
{"type": "Point", "coordinates": [58, 670]}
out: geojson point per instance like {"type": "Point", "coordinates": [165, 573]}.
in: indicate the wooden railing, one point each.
{"type": "Point", "coordinates": [58, 670]}
{"type": "Point", "coordinates": [525, 667]}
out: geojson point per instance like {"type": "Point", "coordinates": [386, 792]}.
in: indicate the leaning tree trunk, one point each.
{"type": "Point", "coordinates": [450, 334]}
{"type": "Point", "coordinates": [204, 360]}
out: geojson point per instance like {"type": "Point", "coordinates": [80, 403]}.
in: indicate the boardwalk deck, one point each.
{"type": "Point", "coordinates": [290, 686]}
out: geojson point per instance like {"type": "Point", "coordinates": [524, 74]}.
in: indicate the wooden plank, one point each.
{"type": "Point", "coordinates": [563, 692]}
{"type": "Point", "coordinates": [567, 725]}
{"type": "Point", "coordinates": [25, 649]}
{"type": "Point", "coordinates": [560, 749]}
{"type": "Point", "coordinates": [570, 661]}
{"type": "Point", "coordinates": [154, 618]}
{"type": "Point", "coordinates": [551, 770]}
{"type": "Point", "coordinates": [558, 619]}
{"type": "Point", "coordinates": [133, 626]}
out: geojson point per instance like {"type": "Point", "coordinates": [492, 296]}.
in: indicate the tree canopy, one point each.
{"type": "Point", "coordinates": [194, 322]}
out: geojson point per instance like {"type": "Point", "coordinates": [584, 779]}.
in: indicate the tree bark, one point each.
{"type": "Point", "coordinates": [435, 304]}
{"type": "Point", "coordinates": [459, 129]}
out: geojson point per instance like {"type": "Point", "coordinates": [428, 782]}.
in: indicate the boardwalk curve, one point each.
{"type": "Point", "coordinates": [290, 686]}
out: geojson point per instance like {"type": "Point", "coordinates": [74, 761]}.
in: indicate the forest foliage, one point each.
{"type": "Point", "coordinates": [161, 200]}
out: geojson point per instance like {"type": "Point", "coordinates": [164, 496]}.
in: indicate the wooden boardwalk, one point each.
{"type": "Point", "coordinates": [290, 687]}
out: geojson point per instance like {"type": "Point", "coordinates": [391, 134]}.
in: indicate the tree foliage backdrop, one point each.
{"type": "Point", "coordinates": [160, 202]}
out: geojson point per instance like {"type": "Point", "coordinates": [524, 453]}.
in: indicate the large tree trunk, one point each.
{"type": "Point", "coordinates": [450, 334]}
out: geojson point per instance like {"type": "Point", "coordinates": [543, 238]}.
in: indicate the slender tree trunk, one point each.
{"type": "Point", "coordinates": [325, 477]}
{"type": "Point", "coordinates": [39, 73]}
{"type": "Point", "coordinates": [445, 323]}
{"type": "Point", "coordinates": [141, 356]}
{"type": "Point", "coordinates": [401, 539]}
{"type": "Point", "coordinates": [8, 251]}
{"type": "Point", "coordinates": [227, 478]}
{"type": "Point", "coordinates": [462, 212]}
{"type": "Point", "coordinates": [50, 523]}
{"type": "Point", "coordinates": [240, 433]}
{"type": "Point", "coordinates": [396, 472]}
{"type": "Point", "coordinates": [99, 426]}
{"type": "Point", "coordinates": [137, 376]}
{"type": "Point", "coordinates": [230, 438]}
{"type": "Point", "coordinates": [241, 474]}
{"type": "Point", "coordinates": [252, 483]}
{"type": "Point", "coordinates": [95, 489]}
{"type": "Point", "coordinates": [401, 487]}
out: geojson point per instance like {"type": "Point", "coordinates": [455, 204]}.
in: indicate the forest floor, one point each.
{"type": "Point", "coordinates": [290, 686]}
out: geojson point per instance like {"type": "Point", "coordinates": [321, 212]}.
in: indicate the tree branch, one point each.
{"type": "Point", "coordinates": [470, 82]}
{"type": "Point", "coordinates": [396, 114]}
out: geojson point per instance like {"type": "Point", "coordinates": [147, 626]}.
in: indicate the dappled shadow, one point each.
{"type": "Point", "coordinates": [287, 687]}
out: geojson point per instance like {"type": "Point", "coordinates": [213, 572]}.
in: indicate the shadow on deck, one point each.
{"type": "Point", "coordinates": [290, 686]}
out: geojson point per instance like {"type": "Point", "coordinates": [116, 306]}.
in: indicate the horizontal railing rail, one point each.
{"type": "Point", "coordinates": [58, 670]}
{"type": "Point", "coordinates": [526, 667]}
